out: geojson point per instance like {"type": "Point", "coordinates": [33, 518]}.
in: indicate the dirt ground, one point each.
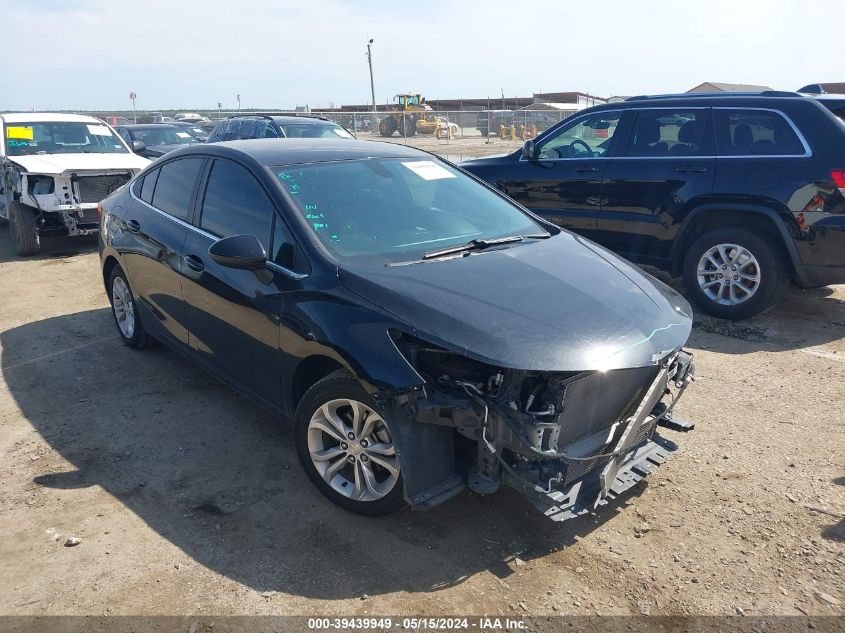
{"type": "Point", "coordinates": [188, 499]}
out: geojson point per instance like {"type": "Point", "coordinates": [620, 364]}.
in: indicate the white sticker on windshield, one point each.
{"type": "Point", "coordinates": [428, 170]}
{"type": "Point", "coordinates": [183, 135]}
{"type": "Point", "coordinates": [99, 130]}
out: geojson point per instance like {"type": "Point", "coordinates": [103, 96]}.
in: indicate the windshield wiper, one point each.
{"type": "Point", "coordinates": [480, 244]}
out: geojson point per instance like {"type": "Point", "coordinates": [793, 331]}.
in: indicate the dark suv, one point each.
{"type": "Point", "coordinates": [737, 193]}
{"type": "Point", "coordinates": [275, 126]}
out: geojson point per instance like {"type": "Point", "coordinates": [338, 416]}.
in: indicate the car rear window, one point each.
{"type": "Point", "coordinates": [175, 186]}
{"type": "Point", "coordinates": [755, 133]}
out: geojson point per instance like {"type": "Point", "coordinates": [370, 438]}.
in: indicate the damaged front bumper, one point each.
{"type": "Point", "coordinates": [67, 202]}
{"type": "Point", "coordinates": [569, 443]}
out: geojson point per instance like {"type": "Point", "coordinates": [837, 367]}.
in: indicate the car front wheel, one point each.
{"type": "Point", "coordinates": [346, 447]}
{"type": "Point", "coordinates": [733, 273]}
{"type": "Point", "coordinates": [23, 226]}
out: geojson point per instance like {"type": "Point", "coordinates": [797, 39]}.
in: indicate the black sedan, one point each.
{"type": "Point", "coordinates": [155, 139]}
{"type": "Point", "coordinates": [423, 331]}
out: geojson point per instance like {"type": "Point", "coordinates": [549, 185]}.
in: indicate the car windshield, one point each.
{"type": "Point", "coordinates": [61, 137]}
{"type": "Point", "coordinates": [392, 210]}
{"type": "Point", "coordinates": [163, 135]}
{"type": "Point", "coordinates": [314, 130]}
{"type": "Point", "coordinates": [198, 133]}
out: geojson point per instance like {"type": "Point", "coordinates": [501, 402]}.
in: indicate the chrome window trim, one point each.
{"type": "Point", "coordinates": [196, 229]}
{"type": "Point", "coordinates": [171, 217]}
{"type": "Point", "coordinates": [285, 271]}
{"type": "Point", "coordinates": [808, 152]}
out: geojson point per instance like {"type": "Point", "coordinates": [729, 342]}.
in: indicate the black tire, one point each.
{"type": "Point", "coordinates": [23, 228]}
{"type": "Point", "coordinates": [410, 124]}
{"type": "Point", "coordinates": [387, 126]}
{"type": "Point", "coordinates": [773, 272]}
{"type": "Point", "coordinates": [340, 385]}
{"type": "Point", "coordinates": [139, 339]}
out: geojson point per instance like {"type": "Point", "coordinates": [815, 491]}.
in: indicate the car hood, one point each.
{"type": "Point", "coordinates": [560, 304]}
{"type": "Point", "coordinates": [161, 150]}
{"type": "Point", "coordinates": [59, 163]}
{"type": "Point", "coordinates": [495, 159]}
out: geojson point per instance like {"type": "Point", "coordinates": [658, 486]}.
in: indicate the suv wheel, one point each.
{"type": "Point", "coordinates": [346, 447]}
{"type": "Point", "coordinates": [733, 273]}
{"type": "Point", "coordinates": [125, 312]}
{"type": "Point", "coordinates": [23, 228]}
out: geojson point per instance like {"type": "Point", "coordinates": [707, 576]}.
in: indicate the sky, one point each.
{"type": "Point", "coordinates": [89, 54]}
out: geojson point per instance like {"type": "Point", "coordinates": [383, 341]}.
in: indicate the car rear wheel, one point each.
{"type": "Point", "coordinates": [346, 447]}
{"type": "Point", "coordinates": [387, 126]}
{"type": "Point", "coordinates": [23, 227]}
{"type": "Point", "coordinates": [733, 273]}
{"type": "Point", "coordinates": [125, 312]}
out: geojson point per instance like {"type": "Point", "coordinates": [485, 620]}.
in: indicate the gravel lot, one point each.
{"type": "Point", "coordinates": [187, 499]}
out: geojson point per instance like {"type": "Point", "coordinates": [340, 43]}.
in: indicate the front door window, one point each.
{"type": "Point", "coordinates": [590, 137]}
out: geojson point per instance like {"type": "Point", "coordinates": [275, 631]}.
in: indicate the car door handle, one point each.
{"type": "Point", "coordinates": [689, 169]}
{"type": "Point", "coordinates": [194, 263]}
{"type": "Point", "coordinates": [583, 169]}
{"type": "Point", "coordinates": [133, 225]}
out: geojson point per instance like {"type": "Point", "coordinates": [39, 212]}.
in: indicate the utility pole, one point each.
{"type": "Point", "coordinates": [133, 96]}
{"type": "Point", "coordinates": [238, 97]}
{"type": "Point", "coordinates": [219, 109]}
{"type": "Point", "coordinates": [370, 62]}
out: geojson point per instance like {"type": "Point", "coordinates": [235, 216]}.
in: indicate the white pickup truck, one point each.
{"type": "Point", "coordinates": [54, 170]}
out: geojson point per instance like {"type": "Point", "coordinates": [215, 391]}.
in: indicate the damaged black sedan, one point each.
{"type": "Point", "coordinates": [424, 332]}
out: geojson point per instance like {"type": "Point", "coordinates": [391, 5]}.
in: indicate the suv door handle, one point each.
{"type": "Point", "coordinates": [689, 169]}
{"type": "Point", "coordinates": [582, 169]}
{"type": "Point", "coordinates": [133, 225]}
{"type": "Point", "coordinates": [194, 263]}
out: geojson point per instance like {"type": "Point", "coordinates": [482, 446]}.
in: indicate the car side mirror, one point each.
{"type": "Point", "coordinates": [138, 146]}
{"type": "Point", "coordinates": [239, 251]}
{"type": "Point", "coordinates": [529, 149]}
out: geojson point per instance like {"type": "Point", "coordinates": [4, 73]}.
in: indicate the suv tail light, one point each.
{"type": "Point", "coordinates": [100, 204]}
{"type": "Point", "coordinates": [838, 176]}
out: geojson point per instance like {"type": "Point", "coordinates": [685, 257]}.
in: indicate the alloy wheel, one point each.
{"type": "Point", "coordinates": [124, 310]}
{"type": "Point", "coordinates": [728, 274]}
{"type": "Point", "coordinates": [352, 450]}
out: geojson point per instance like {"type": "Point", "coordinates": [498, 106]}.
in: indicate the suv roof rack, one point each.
{"type": "Point", "coordinates": [268, 115]}
{"type": "Point", "coordinates": [708, 95]}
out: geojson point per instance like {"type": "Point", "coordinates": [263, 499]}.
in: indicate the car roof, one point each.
{"type": "Point", "coordinates": [289, 151]}
{"type": "Point", "coordinates": [146, 126]}
{"type": "Point", "coordinates": [47, 117]}
{"type": "Point", "coordinates": [734, 99]}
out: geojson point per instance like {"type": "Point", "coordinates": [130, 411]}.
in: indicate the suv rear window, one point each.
{"type": "Point", "coordinates": [755, 133]}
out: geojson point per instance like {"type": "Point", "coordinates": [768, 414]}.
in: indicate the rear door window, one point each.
{"type": "Point", "coordinates": [175, 186]}
{"type": "Point", "coordinates": [148, 186]}
{"type": "Point", "coordinates": [755, 133]}
{"type": "Point", "coordinates": [662, 132]}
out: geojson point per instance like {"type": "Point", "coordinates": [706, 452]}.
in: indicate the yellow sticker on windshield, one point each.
{"type": "Point", "coordinates": [19, 132]}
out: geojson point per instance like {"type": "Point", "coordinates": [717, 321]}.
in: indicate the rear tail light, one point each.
{"type": "Point", "coordinates": [100, 207]}
{"type": "Point", "coordinates": [838, 176]}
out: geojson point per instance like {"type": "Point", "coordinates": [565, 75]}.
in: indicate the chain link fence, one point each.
{"type": "Point", "coordinates": [444, 125]}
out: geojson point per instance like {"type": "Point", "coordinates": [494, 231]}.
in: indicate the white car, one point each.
{"type": "Point", "coordinates": [54, 170]}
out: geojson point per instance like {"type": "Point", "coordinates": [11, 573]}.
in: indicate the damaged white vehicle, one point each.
{"type": "Point", "coordinates": [54, 170]}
